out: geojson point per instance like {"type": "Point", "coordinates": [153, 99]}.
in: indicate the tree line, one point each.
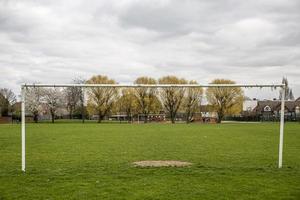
{"type": "Point", "coordinates": [131, 101]}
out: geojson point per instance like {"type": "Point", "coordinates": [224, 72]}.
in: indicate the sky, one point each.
{"type": "Point", "coordinates": [50, 41]}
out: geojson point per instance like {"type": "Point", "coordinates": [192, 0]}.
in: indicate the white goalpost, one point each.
{"type": "Point", "coordinates": [23, 102]}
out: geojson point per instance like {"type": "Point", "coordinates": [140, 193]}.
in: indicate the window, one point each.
{"type": "Point", "coordinates": [267, 108]}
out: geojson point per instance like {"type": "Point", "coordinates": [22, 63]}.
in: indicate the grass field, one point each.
{"type": "Point", "coordinates": [94, 161]}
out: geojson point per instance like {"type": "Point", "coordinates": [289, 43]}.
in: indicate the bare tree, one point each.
{"type": "Point", "coordinates": [72, 97]}
{"type": "Point", "coordinates": [53, 97]}
{"type": "Point", "coordinates": [172, 97]}
{"type": "Point", "coordinates": [81, 95]}
{"type": "Point", "coordinates": [7, 99]}
{"type": "Point", "coordinates": [192, 100]}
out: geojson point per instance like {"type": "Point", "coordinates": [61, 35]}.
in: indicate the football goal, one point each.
{"type": "Point", "coordinates": [24, 88]}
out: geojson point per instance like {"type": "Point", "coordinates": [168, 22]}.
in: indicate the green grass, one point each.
{"type": "Point", "coordinates": [94, 161]}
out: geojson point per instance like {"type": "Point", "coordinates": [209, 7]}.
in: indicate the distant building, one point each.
{"type": "Point", "coordinates": [269, 110]}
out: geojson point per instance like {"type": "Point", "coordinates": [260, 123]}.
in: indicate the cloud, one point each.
{"type": "Point", "coordinates": [47, 41]}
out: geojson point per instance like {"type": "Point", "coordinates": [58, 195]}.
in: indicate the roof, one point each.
{"type": "Point", "coordinates": [262, 104]}
{"type": "Point", "coordinates": [276, 105]}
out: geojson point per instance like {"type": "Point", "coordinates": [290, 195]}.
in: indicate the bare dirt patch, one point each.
{"type": "Point", "coordinates": [161, 163]}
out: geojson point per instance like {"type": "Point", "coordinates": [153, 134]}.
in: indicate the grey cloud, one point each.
{"type": "Point", "coordinates": [47, 41]}
{"type": "Point", "coordinates": [155, 17]}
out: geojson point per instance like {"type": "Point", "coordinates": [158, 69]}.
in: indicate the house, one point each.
{"type": "Point", "coordinates": [269, 110]}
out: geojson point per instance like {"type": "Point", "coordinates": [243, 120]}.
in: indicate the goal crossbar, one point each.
{"type": "Point", "coordinates": [24, 86]}
{"type": "Point", "coordinates": [156, 85]}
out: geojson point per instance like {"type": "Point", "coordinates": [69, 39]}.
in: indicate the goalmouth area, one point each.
{"type": "Point", "coordinates": [156, 86]}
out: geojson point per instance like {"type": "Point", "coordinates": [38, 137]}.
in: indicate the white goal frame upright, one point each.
{"type": "Point", "coordinates": [24, 86]}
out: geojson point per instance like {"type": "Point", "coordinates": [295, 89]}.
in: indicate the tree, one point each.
{"type": "Point", "coordinates": [33, 101]}
{"type": "Point", "coordinates": [127, 103]}
{"type": "Point", "coordinates": [224, 100]}
{"type": "Point", "coordinates": [192, 100]}
{"type": "Point", "coordinates": [81, 97]}
{"type": "Point", "coordinates": [73, 96]}
{"type": "Point", "coordinates": [7, 99]}
{"type": "Point", "coordinates": [16, 111]}
{"type": "Point", "coordinates": [4, 105]}
{"type": "Point", "coordinates": [54, 100]}
{"type": "Point", "coordinates": [101, 100]}
{"type": "Point", "coordinates": [172, 97]}
{"type": "Point", "coordinates": [146, 97]}
{"type": "Point", "coordinates": [288, 91]}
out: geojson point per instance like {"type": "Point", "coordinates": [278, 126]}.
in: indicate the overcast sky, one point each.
{"type": "Point", "coordinates": [55, 41]}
